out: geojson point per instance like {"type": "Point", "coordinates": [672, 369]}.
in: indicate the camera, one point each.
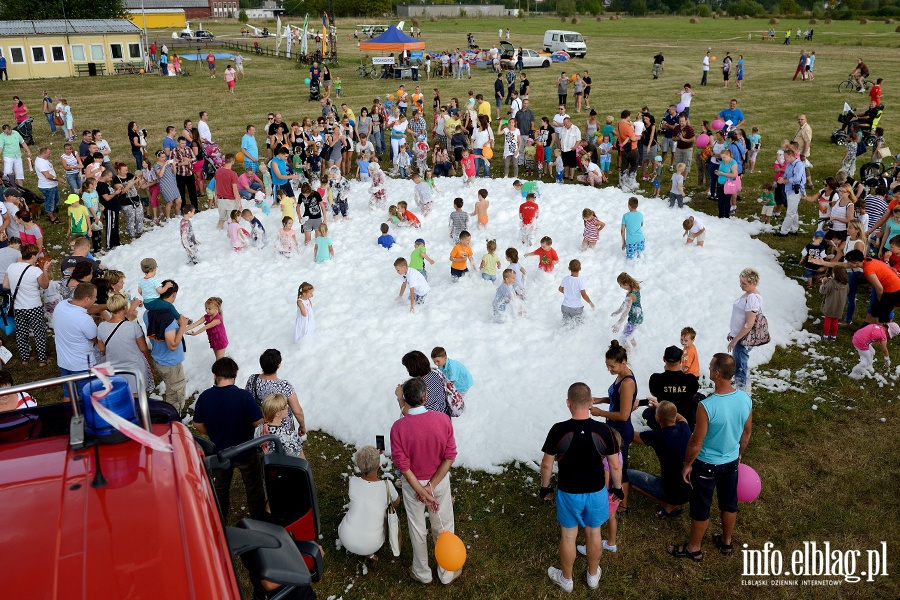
{"type": "Point", "coordinates": [796, 189]}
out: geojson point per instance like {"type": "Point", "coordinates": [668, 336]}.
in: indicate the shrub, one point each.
{"type": "Point", "coordinates": [693, 21]}
{"type": "Point", "coordinates": [703, 10]}
{"type": "Point", "coordinates": [773, 21]}
{"type": "Point", "coordinates": [242, 16]}
{"type": "Point", "coordinates": [813, 21]}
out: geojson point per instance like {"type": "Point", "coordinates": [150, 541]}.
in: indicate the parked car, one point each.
{"type": "Point", "coordinates": [530, 58]}
{"type": "Point", "coordinates": [567, 41]}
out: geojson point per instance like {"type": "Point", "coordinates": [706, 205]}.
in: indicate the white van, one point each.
{"type": "Point", "coordinates": [569, 41]}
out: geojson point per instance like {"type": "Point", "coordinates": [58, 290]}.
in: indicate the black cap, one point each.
{"type": "Point", "coordinates": [673, 354]}
{"type": "Point", "coordinates": [12, 192]}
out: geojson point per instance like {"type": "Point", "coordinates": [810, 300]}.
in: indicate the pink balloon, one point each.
{"type": "Point", "coordinates": [748, 485]}
{"type": "Point", "coordinates": [680, 107]}
{"type": "Point", "coordinates": [702, 140]}
{"type": "Point", "coordinates": [718, 125]}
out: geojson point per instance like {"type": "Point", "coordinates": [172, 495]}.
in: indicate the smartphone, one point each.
{"type": "Point", "coordinates": [644, 402]}
{"type": "Point", "coordinates": [379, 442]}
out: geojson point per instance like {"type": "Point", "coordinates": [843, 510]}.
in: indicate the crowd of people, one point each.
{"type": "Point", "coordinates": [303, 168]}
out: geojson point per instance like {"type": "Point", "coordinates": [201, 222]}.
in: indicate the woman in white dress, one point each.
{"type": "Point", "coordinates": [362, 530]}
{"type": "Point", "coordinates": [306, 321]}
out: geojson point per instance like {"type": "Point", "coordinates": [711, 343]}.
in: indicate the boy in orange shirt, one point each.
{"type": "Point", "coordinates": [547, 255]}
{"type": "Point", "coordinates": [460, 255]}
{"type": "Point", "coordinates": [689, 362]}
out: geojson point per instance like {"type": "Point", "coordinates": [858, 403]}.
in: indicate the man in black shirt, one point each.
{"type": "Point", "coordinates": [87, 138]}
{"type": "Point", "coordinates": [657, 65]}
{"type": "Point", "coordinates": [579, 446]}
{"type": "Point", "coordinates": [670, 443]}
{"type": "Point", "coordinates": [674, 385]}
{"type": "Point", "coordinates": [587, 89]}
{"type": "Point", "coordinates": [498, 94]}
{"type": "Point", "coordinates": [80, 249]}
{"type": "Point", "coordinates": [524, 84]}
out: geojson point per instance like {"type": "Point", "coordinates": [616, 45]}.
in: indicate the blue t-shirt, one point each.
{"type": "Point", "coordinates": [322, 245]}
{"type": "Point", "coordinates": [249, 146]}
{"type": "Point", "coordinates": [386, 240]}
{"type": "Point", "coordinates": [160, 351]}
{"type": "Point", "coordinates": [282, 168]}
{"type": "Point", "coordinates": [2, 62]}
{"type": "Point", "coordinates": [726, 168]}
{"type": "Point", "coordinates": [148, 288]}
{"type": "Point", "coordinates": [363, 166]}
{"type": "Point", "coordinates": [229, 414]}
{"type": "Point", "coordinates": [735, 116]}
{"type": "Point", "coordinates": [727, 414]}
{"type": "Point", "coordinates": [633, 221]}
{"type": "Point", "coordinates": [169, 144]}
{"type": "Point", "coordinates": [458, 374]}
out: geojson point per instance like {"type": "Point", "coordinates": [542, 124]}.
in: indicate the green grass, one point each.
{"type": "Point", "coordinates": [827, 474]}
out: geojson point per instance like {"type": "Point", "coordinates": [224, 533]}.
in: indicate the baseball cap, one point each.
{"type": "Point", "coordinates": [420, 241]}
{"type": "Point", "coordinates": [12, 192]}
{"type": "Point", "coordinates": [893, 329]}
{"type": "Point", "coordinates": [148, 264]}
{"type": "Point", "coordinates": [658, 159]}
{"type": "Point", "coordinates": [673, 354]}
{"type": "Point", "coordinates": [780, 152]}
{"type": "Point", "coordinates": [72, 199]}
{"type": "Point", "coordinates": [819, 234]}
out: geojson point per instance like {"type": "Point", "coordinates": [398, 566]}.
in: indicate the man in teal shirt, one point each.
{"type": "Point", "coordinates": [250, 149]}
{"type": "Point", "coordinates": [724, 424]}
{"type": "Point", "coordinates": [11, 144]}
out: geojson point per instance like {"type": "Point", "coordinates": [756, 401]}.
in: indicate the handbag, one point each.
{"type": "Point", "coordinates": [759, 335]}
{"type": "Point", "coordinates": [884, 152]}
{"type": "Point", "coordinates": [12, 301]}
{"type": "Point", "coordinates": [733, 186]}
{"type": "Point", "coordinates": [57, 119]}
{"type": "Point", "coordinates": [455, 400]}
{"type": "Point", "coordinates": [393, 523]}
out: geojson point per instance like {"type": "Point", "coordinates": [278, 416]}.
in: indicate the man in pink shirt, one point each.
{"type": "Point", "coordinates": [423, 449]}
{"type": "Point", "coordinates": [248, 184]}
{"type": "Point", "coordinates": [227, 196]}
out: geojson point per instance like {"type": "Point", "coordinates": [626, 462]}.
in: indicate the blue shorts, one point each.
{"type": "Point", "coordinates": [810, 273]}
{"type": "Point", "coordinates": [632, 250]}
{"type": "Point", "coordinates": [657, 183]}
{"type": "Point", "coordinates": [585, 510]}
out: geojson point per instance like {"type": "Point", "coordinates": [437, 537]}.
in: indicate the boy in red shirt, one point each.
{"type": "Point", "coordinates": [875, 92]}
{"type": "Point", "coordinates": [547, 255]}
{"type": "Point", "coordinates": [528, 214]}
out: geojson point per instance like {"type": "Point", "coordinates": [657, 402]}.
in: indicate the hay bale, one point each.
{"type": "Point", "coordinates": [828, 21]}
{"type": "Point", "coordinates": [574, 20]}
{"type": "Point", "coordinates": [715, 16]}
{"type": "Point", "coordinates": [737, 17]}
{"type": "Point", "coordinates": [863, 21]}
{"type": "Point", "coordinates": [564, 19]}
{"type": "Point", "coordinates": [898, 29]}
{"type": "Point", "coordinates": [693, 21]}
{"type": "Point", "coordinates": [773, 21]}
{"type": "Point", "coordinates": [433, 19]}
{"type": "Point", "coordinates": [745, 17]}
{"type": "Point", "coordinates": [813, 21]}
{"type": "Point", "coordinates": [599, 19]}
{"type": "Point", "coordinates": [415, 22]}
{"type": "Point", "coordinates": [888, 21]}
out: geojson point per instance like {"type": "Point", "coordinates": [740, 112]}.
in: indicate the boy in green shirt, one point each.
{"type": "Point", "coordinates": [418, 257]}
{"type": "Point", "coordinates": [79, 217]}
{"type": "Point", "coordinates": [767, 199]}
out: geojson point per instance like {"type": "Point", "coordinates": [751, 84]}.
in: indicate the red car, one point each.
{"type": "Point", "coordinates": [95, 517]}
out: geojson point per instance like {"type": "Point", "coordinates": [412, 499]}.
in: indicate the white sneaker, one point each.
{"type": "Point", "coordinates": [593, 581]}
{"type": "Point", "coordinates": [609, 548]}
{"type": "Point", "coordinates": [556, 577]}
{"type": "Point", "coordinates": [582, 549]}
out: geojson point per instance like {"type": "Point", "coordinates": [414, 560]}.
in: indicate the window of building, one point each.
{"type": "Point", "coordinates": [17, 55]}
{"type": "Point", "coordinates": [78, 52]}
{"type": "Point", "coordinates": [58, 53]}
{"type": "Point", "coordinates": [96, 51]}
{"type": "Point", "coordinates": [115, 51]}
{"type": "Point", "coordinates": [134, 50]}
{"type": "Point", "coordinates": [38, 55]}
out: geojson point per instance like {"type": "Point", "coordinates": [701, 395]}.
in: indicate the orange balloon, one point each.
{"type": "Point", "coordinates": [713, 58]}
{"type": "Point", "coordinates": [574, 77]}
{"type": "Point", "coordinates": [142, 71]}
{"type": "Point", "coordinates": [239, 157]}
{"type": "Point", "coordinates": [450, 552]}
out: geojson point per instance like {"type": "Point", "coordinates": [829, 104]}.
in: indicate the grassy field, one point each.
{"type": "Point", "coordinates": [828, 474]}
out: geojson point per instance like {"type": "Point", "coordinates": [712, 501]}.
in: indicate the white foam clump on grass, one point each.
{"type": "Point", "coordinates": [345, 373]}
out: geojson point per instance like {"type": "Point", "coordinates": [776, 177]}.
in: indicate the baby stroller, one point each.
{"type": "Point", "coordinates": [25, 130]}
{"type": "Point", "coordinates": [842, 136]}
{"type": "Point", "coordinates": [213, 159]}
{"type": "Point", "coordinates": [314, 90]}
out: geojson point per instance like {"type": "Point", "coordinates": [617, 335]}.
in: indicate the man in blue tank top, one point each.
{"type": "Point", "coordinates": [724, 424]}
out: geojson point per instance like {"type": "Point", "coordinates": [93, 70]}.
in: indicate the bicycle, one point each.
{"type": "Point", "coordinates": [851, 85]}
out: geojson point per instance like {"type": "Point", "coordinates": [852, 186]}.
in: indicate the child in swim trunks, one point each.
{"type": "Point", "coordinates": [481, 208]}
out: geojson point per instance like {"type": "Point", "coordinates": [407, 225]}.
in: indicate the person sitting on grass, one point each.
{"type": "Point", "coordinates": [669, 443]}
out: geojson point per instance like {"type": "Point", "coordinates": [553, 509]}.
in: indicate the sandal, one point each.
{"type": "Point", "coordinates": [681, 551]}
{"type": "Point", "coordinates": [622, 510]}
{"type": "Point", "coordinates": [664, 514]}
{"type": "Point", "coordinates": [723, 548]}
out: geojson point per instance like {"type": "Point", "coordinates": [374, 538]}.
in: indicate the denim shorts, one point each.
{"type": "Point", "coordinates": [487, 277]}
{"type": "Point", "coordinates": [705, 479]}
{"type": "Point", "coordinates": [585, 510]}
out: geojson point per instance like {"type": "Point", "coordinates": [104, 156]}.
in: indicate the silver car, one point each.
{"type": "Point", "coordinates": [530, 58]}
